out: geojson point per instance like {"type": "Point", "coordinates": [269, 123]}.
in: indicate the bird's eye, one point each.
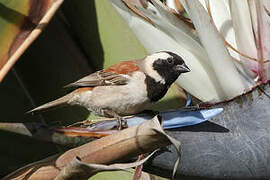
{"type": "Point", "coordinates": [170, 60]}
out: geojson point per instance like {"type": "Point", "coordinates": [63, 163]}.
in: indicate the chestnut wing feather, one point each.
{"type": "Point", "coordinates": [113, 75]}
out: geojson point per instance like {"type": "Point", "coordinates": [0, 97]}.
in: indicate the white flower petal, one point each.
{"type": "Point", "coordinates": [167, 17]}
{"type": "Point", "coordinates": [220, 11]}
{"type": "Point", "coordinates": [231, 82]}
{"type": "Point", "coordinates": [244, 32]}
{"type": "Point", "coordinates": [222, 18]}
{"type": "Point", "coordinates": [171, 4]}
{"type": "Point", "coordinates": [261, 26]}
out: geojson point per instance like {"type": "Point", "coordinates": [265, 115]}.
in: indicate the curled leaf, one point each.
{"type": "Point", "coordinates": [119, 146]}
{"type": "Point", "coordinates": [80, 170]}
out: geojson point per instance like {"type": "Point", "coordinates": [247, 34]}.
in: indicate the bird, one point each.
{"type": "Point", "coordinates": [126, 88]}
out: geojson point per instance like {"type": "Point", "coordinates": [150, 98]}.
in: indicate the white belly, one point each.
{"type": "Point", "coordinates": [124, 100]}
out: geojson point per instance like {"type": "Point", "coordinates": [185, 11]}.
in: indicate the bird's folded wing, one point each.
{"type": "Point", "coordinates": [100, 78]}
{"type": "Point", "coordinates": [114, 75]}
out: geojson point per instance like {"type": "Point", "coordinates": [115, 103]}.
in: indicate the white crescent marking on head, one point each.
{"type": "Point", "coordinates": [149, 60]}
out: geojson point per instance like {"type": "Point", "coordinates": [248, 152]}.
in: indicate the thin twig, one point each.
{"type": "Point", "coordinates": [32, 36]}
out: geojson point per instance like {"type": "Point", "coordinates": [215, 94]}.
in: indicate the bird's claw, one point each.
{"type": "Point", "coordinates": [122, 123]}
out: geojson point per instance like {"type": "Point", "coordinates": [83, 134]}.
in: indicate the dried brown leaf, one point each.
{"type": "Point", "coordinates": [119, 146]}
{"type": "Point", "coordinates": [136, 11]}
{"type": "Point", "coordinates": [79, 170]}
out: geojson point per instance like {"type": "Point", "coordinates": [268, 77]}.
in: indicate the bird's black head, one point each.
{"type": "Point", "coordinates": [170, 67]}
{"type": "Point", "coordinates": [161, 70]}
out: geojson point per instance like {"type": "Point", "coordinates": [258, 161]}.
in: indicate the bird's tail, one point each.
{"type": "Point", "coordinates": [60, 101]}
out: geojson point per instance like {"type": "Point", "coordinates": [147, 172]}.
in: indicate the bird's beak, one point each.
{"type": "Point", "coordinates": [182, 68]}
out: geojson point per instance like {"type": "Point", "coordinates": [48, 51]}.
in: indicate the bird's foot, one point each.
{"type": "Point", "coordinates": [122, 123]}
